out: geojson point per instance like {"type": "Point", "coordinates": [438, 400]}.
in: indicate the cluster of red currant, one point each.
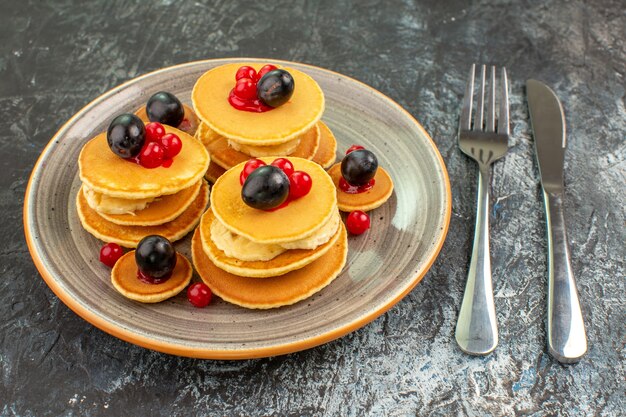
{"type": "Point", "coordinates": [300, 182]}
{"type": "Point", "coordinates": [247, 79]}
{"type": "Point", "coordinates": [261, 91]}
{"type": "Point", "coordinates": [159, 147]}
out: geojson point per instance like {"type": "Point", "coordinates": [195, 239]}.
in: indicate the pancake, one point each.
{"type": "Point", "coordinates": [161, 210]}
{"type": "Point", "coordinates": [298, 220]}
{"type": "Point", "coordinates": [327, 151]}
{"type": "Point", "coordinates": [189, 124]}
{"type": "Point", "coordinates": [275, 291]}
{"type": "Point", "coordinates": [369, 200]}
{"type": "Point", "coordinates": [205, 135]}
{"type": "Point", "coordinates": [124, 279]}
{"type": "Point", "coordinates": [286, 148]}
{"type": "Point", "coordinates": [129, 236]}
{"type": "Point", "coordinates": [105, 172]}
{"type": "Point", "coordinates": [279, 125]}
{"type": "Point", "coordinates": [226, 157]}
{"type": "Point", "coordinates": [287, 261]}
{"type": "Point", "coordinates": [214, 172]}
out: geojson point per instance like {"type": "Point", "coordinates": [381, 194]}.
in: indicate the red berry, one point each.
{"type": "Point", "coordinates": [250, 166]}
{"type": "Point", "coordinates": [245, 72]}
{"type": "Point", "coordinates": [284, 164]}
{"type": "Point", "coordinates": [110, 253]}
{"type": "Point", "coordinates": [171, 145]}
{"type": "Point", "coordinates": [199, 294]}
{"type": "Point", "coordinates": [245, 89]}
{"type": "Point", "coordinates": [152, 155]}
{"type": "Point", "coordinates": [358, 222]}
{"type": "Point", "coordinates": [299, 184]}
{"type": "Point", "coordinates": [354, 148]}
{"type": "Point", "coordinates": [264, 70]}
{"type": "Point", "coordinates": [154, 132]}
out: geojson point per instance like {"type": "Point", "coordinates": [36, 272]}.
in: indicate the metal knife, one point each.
{"type": "Point", "coordinates": [567, 339]}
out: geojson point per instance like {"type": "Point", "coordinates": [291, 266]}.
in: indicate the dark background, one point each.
{"type": "Point", "coordinates": [55, 57]}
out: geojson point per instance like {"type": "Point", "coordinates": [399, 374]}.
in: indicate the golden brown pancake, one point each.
{"type": "Point", "coordinates": [161, 210]}
{"type": "Point", "coordinates": [285, 262]}
{"type": "Point", "coordinates": [105, 172]}
{"type": "Point", "coordinates": [327, 150]}
{"type": "Point", "coordinates": [300, 219]}
{"type": "Point", "coordinates": [129, 236]}
{"type": "Point", "coordinates": [124, 279]}
{"type": "Point", "coordinates": [271, 292]}
{"type": "Point", "coordinates": [189, 124]}
{"type": "Point", "coordinates": [205, 135]}
{"type": "Point", "coordinates": [226, 157]}
{"type": "Point", "coordinates": [214, 172]}
{"type": "Point", "coordinates": [286, 148]}
{"type": "Point", "coordinates": [368, 200]}
{"type": "Point", "coordinates": [279, 125]}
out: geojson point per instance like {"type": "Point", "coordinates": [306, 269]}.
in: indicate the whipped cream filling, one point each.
{"type": "Point", "coordinates": [323, 235]}
{"type": "Point", "coordinates": [286, 148]}
{"type": "Point", "coordinates": [242, 248]}
{"type": "Point", "coordinates": [239, 247]}
{"type": "Point", "coordinates": [103, 203]}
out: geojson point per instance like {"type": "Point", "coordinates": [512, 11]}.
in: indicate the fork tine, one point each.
{"type": "Point", "coordinates": [478, 116]}
{"type": "Point", "coordinates": [503, 118]}
{"type": "Point", "coordinates": [465, 122]}
{"type": "Point", "coordinates": [491, 103]}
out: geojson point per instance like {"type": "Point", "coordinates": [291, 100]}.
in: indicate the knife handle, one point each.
{"type": "Point", "coordinates": [476, 327]}
{"type": "Point", "coordinates": [567, 339]}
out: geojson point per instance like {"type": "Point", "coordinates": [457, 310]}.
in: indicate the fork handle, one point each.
{"type": "Point", "coordinates": [476, 328]}
{"type": "Point", "coordinates": [567, 339]}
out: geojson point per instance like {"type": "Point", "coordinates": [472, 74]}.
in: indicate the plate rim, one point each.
{"type": "Point", "coordinates": [224, 354]}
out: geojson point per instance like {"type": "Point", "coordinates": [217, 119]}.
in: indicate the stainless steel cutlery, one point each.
{"type": "Point", "coordinates": [485, 141]}
{"type": "Point", "coordinates": [567, 339]}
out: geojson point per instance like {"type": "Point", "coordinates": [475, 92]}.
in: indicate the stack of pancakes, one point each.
{"type": "Point", "coordinates": [122, 202]}
{"type": "Point", "coordinates": [266, 259]}
{"type": "Point", "coordinates": [233, 136]}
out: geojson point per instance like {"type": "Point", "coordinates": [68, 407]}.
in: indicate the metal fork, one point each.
{"type": "Point", "coordinates": [476, 328]}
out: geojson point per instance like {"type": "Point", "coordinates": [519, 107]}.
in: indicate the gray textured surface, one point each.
{"type": "Point", "coordinates": [55, 58]}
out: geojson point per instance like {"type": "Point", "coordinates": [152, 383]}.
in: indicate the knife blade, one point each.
{"type": "Point", "coordinates": [567, 339]}
{"type": "Point", "coordinates": [548, 124]}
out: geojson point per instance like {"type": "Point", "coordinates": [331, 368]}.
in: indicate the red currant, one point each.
{"type": "Point", "coordinates": [358, 222]}
{"type": "Point", "coordinates": [264, 70]}
{"type": "Point", "coordinates": [250, 166]}
{"type": "Point", "coordinates": [199, 294]}
{"type": "Point", "coordinates": [154, 132]}
{"type": "Point", "coordinates": [284, 164]}
{"type": "Point", "coordinates": [354, 148]}
{"type": "Point", "coordinates": [110, 253]}
{"type": "Point", "coordinates": [171, 144]}
{"type": "Point", "coordinates": [245, 72]}
{"type": "Point", "coordinates": [245, 89]}
{"type": "Point", "coordinates": [299, 184]}
{"type": "Point", "coordinates": [152, 155]}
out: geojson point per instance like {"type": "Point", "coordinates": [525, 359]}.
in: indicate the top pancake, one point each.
{"type": "Point", "coordinates": [279, 125]}
{"type": "Point", "coordinates": [300, 219]}
{"type": "Point", "coordinates": [105, 172]}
